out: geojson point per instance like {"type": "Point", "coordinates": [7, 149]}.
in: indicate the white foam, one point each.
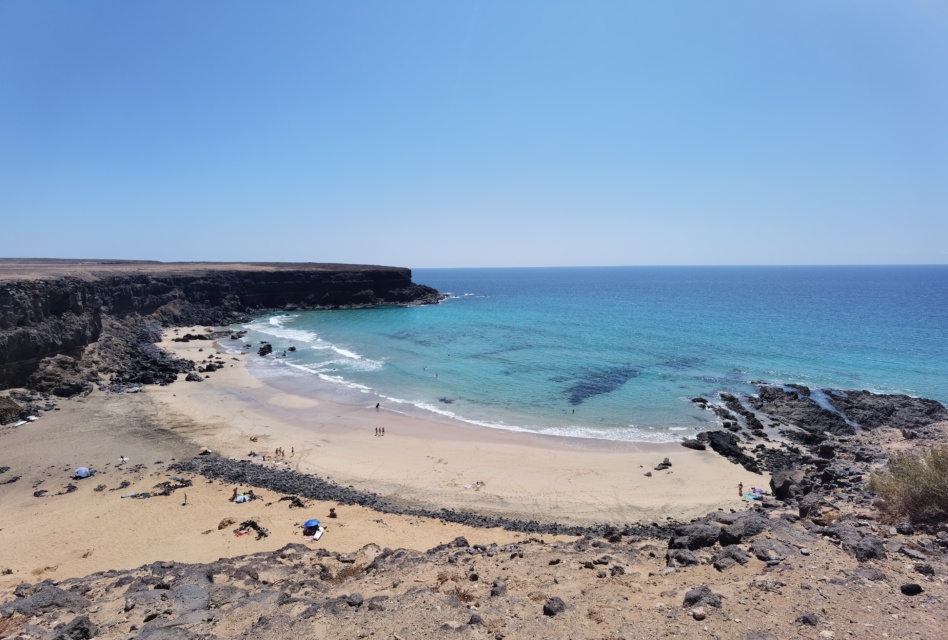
{"type": "Point", "coordinates": [346, 353]}
{"type": "Point", "coordinates": [274, 327]}
{"type": "Point", "coordinates": [323, 375]}
{"type": "Point", "coordinates": [629, 434]}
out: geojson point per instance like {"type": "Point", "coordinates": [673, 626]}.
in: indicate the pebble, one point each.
{"type": "Point", "coordinates": [698, 613]}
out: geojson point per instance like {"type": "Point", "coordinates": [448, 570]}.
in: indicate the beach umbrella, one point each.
{"type": "Point", "coordinates": [311, 523]}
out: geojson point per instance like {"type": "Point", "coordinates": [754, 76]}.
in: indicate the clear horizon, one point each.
{"type": "Point", "coordinates": [440, 135]}
{"type": "Point", "coordinates": [538, 266]}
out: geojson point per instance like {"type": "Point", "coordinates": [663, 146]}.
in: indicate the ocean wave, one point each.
{"type": "Point", "coordinates": [274, 326]}
{"type": "Point", "coordinates": [271, 369]}
{"type": "Point", "coordinates": [323, 375]}
{"type": "Point", "coordinates": [346, 352]}
{"type": "Point", "coordinates": [626, 434]}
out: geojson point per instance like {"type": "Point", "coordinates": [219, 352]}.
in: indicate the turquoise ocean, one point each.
{"type": "Point", "coordinates": [617, 352]}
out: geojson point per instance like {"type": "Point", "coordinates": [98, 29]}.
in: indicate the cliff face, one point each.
{"type": "Point", "coordinates": [60, 307]}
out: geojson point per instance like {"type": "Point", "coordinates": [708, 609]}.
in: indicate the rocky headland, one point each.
{"type": "Point", "coordinates": [63, 322]}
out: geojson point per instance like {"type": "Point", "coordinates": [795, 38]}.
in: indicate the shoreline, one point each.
{"type": "Point", "coordinates": [57, 527]}
{"type": "Point", "coordinates": [429, 460]}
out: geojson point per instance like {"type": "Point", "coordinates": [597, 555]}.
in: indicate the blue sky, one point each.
{"type": "Point", "coordinates": [479, 133]}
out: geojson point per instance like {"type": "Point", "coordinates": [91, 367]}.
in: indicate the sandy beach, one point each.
{"type": "Point", "coordinates": [431, 460]}
{"type": "Point", "coordinates": [433, 463]}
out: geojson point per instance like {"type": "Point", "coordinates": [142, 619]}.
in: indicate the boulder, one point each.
{"type": "Point", "coordinates": [785, 483]}
{"type": "Point", "coordinates": [45, 598]}
{"type": "Point", "coordinates": [81, 628]}
{"type": "Point", "coordinates": [553, 607]}
{"type": "Point", "coordinates": [681, 558]}
{"type": "Point", "coordinates": [499, 588]}
{"type": "Point", "coordinates": [190, 597]}
{"type": "Point", "coordinates": [808, 619]}
{"type": "Point", "coordinates": [866, 548]}
{"type": "Point", "coordinates": [701, 596]}
{"type": "Point", "coordinates": [9, 410]}
{"type": "Point", "coordinates": [62, 376]}
{"type": "Point", "coordinates": [695, 536]}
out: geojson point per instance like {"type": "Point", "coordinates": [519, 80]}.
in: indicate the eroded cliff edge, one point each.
{"type": "Point", "coordinates": [61, 307]}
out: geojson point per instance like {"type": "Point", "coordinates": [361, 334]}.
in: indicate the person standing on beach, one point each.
{"type": "Point", "coordinates": [740, 488]}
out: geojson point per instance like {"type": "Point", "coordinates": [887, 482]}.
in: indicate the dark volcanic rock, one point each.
{"type": "Point", "coordinates": [81, 628]}
{"type": "Point", "coordinates": [127, 348]}
{"type": "Point", "coordinates": [554, 606]}
{"type": "Point", "coordinates": [735, 405]}
{"type": "Point", "coordinates": [701, 596]}
{"type": "Point", "coordinates": [785, 483]}
{"type": "Point", "coordinates": [681, 558]}
{"type": "Point", "coordinates": [871, 410]}
{"type": "Point", "coordinates": [801, 410]}
{"type": "Point", "coordinates": [728, 445]}
{"type": "Point", "coordinates": [45, 598]}
{"type": "Point", "coordinates": [870, 573]}
{"type": "Point", "coordinates": [809, 619]}
{"type": "Point", "coordinates": [728, 556]}
{"type": "Point", "coordinates": [241, 472]}
{"type": "Point", "coordinates": [499, 588]}
{"type": "Point", "coordinates": [67, 307]}
{"type": "Point", "coordinates": [911, 589]}
{"type": "Point", "coordinates": [62, 376]}
{"type": "Point", "coordinates": [9, 410]}
{"type": "Point", "coordinates": [695, 536]}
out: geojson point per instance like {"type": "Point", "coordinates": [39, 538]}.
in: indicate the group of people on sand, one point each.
{"type": "Point", "coordinates": [279, 452]}
{"type": "Point", "coordinates": [380, 431]}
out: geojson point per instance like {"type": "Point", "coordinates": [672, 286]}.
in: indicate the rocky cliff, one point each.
{"type": "Point", "coordinates": [59, 307]}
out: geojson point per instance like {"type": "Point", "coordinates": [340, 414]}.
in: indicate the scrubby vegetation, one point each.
{"type": "Point", "coordinates": [915, 486]}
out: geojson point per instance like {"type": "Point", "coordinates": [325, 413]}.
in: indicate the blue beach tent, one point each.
{"type": "Point", "coordinates": [309, 524]}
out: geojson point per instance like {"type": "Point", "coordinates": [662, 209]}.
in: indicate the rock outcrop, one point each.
{"type": "Point", "coordinates": [58, 307]}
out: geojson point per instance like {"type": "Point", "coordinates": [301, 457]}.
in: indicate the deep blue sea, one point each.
{"type": "Point", "coordinates": [618, 352]}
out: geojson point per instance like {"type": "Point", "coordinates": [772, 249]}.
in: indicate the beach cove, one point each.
{"type": "Point", "coordinates": [431, 460]}
{"type": "Point", "coordinates": [430, 463]}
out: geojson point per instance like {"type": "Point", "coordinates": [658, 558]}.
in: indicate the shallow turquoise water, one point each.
{"type": "Point", "coordinates": [617, 353]}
